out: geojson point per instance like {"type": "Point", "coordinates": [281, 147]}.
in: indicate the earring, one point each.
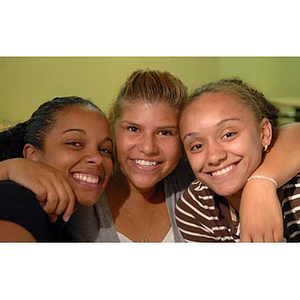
{"type": "Point", "coordinates": [265, 148]}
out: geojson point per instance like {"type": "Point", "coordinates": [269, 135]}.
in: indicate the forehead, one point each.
{"type": "Point", "coordinates": [78, 116]}
{"type": "Point", "coordinates": [213, 108]}
{"type": "Point", "coordinates": [143, 110]}
{"type": "Point", "coordinates": [218, 101]}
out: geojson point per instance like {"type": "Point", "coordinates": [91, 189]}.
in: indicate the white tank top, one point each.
{"type": "Point", "coordinates": [169, 238]}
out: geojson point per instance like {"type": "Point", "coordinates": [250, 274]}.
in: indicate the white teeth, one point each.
{"type": "Point", "coordinates": [146, 163]}
{"type": "Point", "coordinates": [86, 177]}
{"type": "Point", "coordinates": [223, 171]}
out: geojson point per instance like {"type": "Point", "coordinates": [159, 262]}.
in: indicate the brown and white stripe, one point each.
{"type": "Point", "coordinates": [203, 216]}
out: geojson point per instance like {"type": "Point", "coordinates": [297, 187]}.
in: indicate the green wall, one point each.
{"type": "Point", "coordinates": [26, 82]}
{"type": "Point", "coordinates": [275, 76]}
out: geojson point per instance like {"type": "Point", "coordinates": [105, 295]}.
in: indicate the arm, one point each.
{"type": "Point", "coordinates": [12, 232]}
{"type": "Point", "coordinates": [266, 223]}
{"type": "Point", "coordinates": [49, 185]}
{"type": "Point", "coordinates": [22, 219]}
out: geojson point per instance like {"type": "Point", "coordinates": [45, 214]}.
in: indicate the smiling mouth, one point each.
{"type": "Point", "coordinates": [145, 163]}
{"type": "Point", "coordinates": [89, 178]}
{"type": "Point", "coordinates": [222, 171]}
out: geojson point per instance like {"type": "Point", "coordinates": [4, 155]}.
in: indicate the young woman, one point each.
{"type": "Point", "coordinates": [70, 138]}
{"type": "Point", "coordinates": [227, 128]}
{"type": "Point", "coordinates": [151, 172]}
{"type": "Point", "coordinates": [139, 202]}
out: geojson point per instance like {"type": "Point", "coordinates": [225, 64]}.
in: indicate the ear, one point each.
{"type": "Point", "coordinates": [266, 132]}
{"type": "Point", "coordinates": [32, 153]}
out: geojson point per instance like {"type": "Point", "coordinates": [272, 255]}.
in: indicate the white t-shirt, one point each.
{"type": "Point", "coordinates": [169, 238]}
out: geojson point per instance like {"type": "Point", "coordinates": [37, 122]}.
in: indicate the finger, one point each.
{"type": "Point", "coordinates": [71, 205]}
{"type": "Point", "coordinates": [278, 236]}
{"type": "Point", "coordinates": [69, 211]}
{"type": "Point", "coordinates": [52, 218]}
{"type": "Point", "coordinates": [257, 238]}
{"type": "Point", "coordinates": [269, 237]}
{"type": "Point", "coordinates": [245, 238]}
{"type": "Point", "coordinates": [39, 191]}
{"type": "Point", "coordinates": [62, 199]}
{"type": "Point", "coordinates": [254, 236]}
{"type": "Point", "coordinates": [66, 197]}
{"type": "Point", "coordinates": [52, 198]}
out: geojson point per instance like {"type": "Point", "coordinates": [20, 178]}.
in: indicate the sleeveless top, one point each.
{"type": "Point", "coordinates": [95, 224]}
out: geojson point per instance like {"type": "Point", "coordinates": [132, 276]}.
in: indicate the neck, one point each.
{"type": "Point", "coordinates": [235, 200]}
{"type": "Point", "coordinates": [124, 190]}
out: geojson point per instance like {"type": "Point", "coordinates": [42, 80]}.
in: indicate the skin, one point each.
{"type": "Point", "coordinates": [147, 143]}
{"type": "Point", "coordinates": [79, 148]}
{"type": "Point", "coordinates": [79, 145]}
{"type": "Point", "coordinates": [11, 232]}
{"type": "Point", "coordinates": [52, 188]}
{"type": "Point", "coordinates": [223, 142]}
{"type": "Point", "coordinates": [267, 223]}
{"type": "Point", "coordinates": [148, 148]}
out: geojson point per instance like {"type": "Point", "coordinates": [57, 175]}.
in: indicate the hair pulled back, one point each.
{"type": "Point", "coordinates": [149, 86]}
{"type": "Point", "coordinates": [261, 107]}
{"type": "Point", "coordinates": [35, 130]}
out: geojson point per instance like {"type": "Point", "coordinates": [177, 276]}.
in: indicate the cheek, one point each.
{"type": "Point", "coordinates": [120, 148]}
{"type": "Point", "coordinates": [256, 157]}
{"type": "Point", "coordinates": [123, 143]}
{"type": "Point", "coordinates": [108, 165]}
{"type": "Point", "coordinates": [57, 159]}
{"type": "Point", "coordinates": [249, 145]}
{"type": "Point", "coordinates": [251, 150]}
{"type": "Point", "coordinates": [173, 151]}
{"type": "Point", "coordinates": [196, 161]}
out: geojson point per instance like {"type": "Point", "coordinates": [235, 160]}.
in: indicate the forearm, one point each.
{"type": "Point", "coordinates": [5, 166]}
{"type": "Point", "coordinates": [282, 162]}
{"type": "Point", "coordinates": [260, 209]}
{"type": "Point", "coordinates": [12, 232]}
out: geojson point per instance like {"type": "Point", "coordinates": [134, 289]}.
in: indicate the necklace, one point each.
{"type": "Point", "coordinates": [145, 238]}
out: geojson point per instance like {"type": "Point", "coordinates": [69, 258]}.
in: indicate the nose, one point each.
{"type": "Point", "coordinates": [148, 144]}
{"type": "Point", "coordinates": [216, 154]}
{"type": "Point", "coordinates": [93, 157]}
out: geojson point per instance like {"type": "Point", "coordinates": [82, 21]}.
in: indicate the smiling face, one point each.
{"type": "Point", "coordinates": [148, 145]}
{"type": "Point", "coordinates": [223, 141]}
{"type": "Point", "coordinates": [80, 146]}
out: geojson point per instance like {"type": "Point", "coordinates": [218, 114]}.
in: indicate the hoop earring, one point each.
{"type": "Point", "coordinates": [265, 148]}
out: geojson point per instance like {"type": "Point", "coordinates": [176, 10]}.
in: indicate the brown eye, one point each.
{"type": "Point", "coordinates": [228, 135]}
{"type": "Point", "coordinates": [197, 147]}
{"type": "Point", "coordinates": [106, 151]}
{"type": "Point", "coordinates": [132, 128]}
{"type": "Point", "coordinates": [165, 132]}
{"type": "Point", "coordinates": [74, 144]}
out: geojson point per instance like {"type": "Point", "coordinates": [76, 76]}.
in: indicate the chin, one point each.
{"type": "Point", "coordinates": [227, 192]}
{"type": "Point", "coordinates": [145, 185]}
{"type": "Point", "coordinates": [87, 201]}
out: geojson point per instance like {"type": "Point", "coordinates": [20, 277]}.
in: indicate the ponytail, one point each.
{"type": "Point", "coordinates": [12, 141]}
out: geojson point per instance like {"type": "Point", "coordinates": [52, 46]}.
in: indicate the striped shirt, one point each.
{"type": "Point", "coordinates": [203, 216]}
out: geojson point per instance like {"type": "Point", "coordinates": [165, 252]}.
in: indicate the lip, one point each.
{"type": "Point", "coordinates": [145, 164]}
{"type": "Point", "coordinates": [88, 178]}
{"type": "Point", "coordinates": [223, 172]}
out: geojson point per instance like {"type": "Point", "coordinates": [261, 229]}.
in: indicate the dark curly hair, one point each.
{"type": "Point", "coordinates": [34, 131]}
{"type": "Point", "coordinates": [12, 141]}
{"type": "Point", "coordinates": [255, 99]}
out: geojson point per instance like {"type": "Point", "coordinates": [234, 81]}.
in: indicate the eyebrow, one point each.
{"type": "Point", "coordinates": [217, 125]}
{"type": "Point", "coordinates": [82, 131]}
{"type": "Point", "coordinates": [157, 128]}
{"type": "Point", "coordinates": [73, 129]}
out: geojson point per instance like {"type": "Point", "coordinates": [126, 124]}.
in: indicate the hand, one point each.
{"type": "Point", "coordinates": [260, 213]}
{"type": "Point", "coordinates": [48, 184]}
